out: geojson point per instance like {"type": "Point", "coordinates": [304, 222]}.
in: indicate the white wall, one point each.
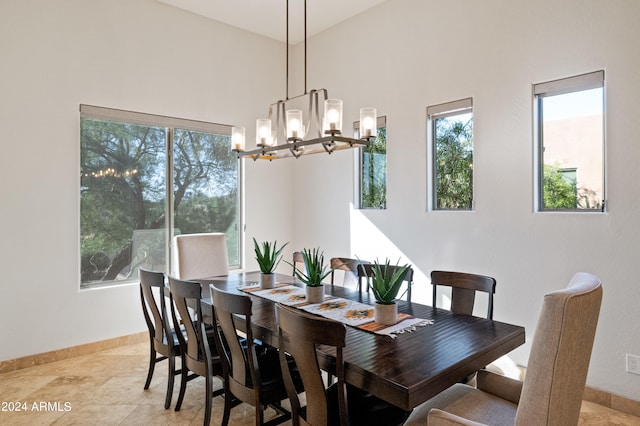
{"type": "Point", "coordinates": [122, 53]}
{"type": "Point", "coordinates": [427, 52]}
{"type": "Point", "coordinates": [137, 55]}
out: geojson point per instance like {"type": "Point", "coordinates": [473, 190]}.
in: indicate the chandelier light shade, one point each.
{"type": "Point", "coordinates": [288, 132]}
{"type": "Point", "coordinates": [332, 116]}
{"type": "Point", "coordinates": [295, 125]}
{"type": "Point", "coordinates": [368, 122]}
{"type": "Point", "coordinates": [237, 138]}
{"type": "Point", "coordinates": [263, 132]}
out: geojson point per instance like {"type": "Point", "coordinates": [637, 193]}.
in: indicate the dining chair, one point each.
{"type": "Point", "coordinates": [463, 290]}
{"type": "Point", "coordinates": [299, 335]}
{"type": "Point", "coordinates": [551, 393]}
{"type": "Point", "coordinates": [163, 340]}
{"type": "Point", "coordinates": [200, 255]}
{"type": "Point", "coordinates": [349, 266]}
{"type": "Point", "coordinates": [199, 353]}
{"type": "Point", "coordinates": [297, 258]}
{"type": "Point", "coordinates": [463, 293]}
{"type": "Point", "coordinates": [365, 271]}
{"type": "Point", "coordinates": [250, 375]}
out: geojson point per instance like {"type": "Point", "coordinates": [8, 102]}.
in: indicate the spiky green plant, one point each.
{"type": "Point", "coordinates": [384, 284]}
{"type": "Point", "coordinates": [267, 257]}
{"type": "Point", "coordinates": [315, 269]}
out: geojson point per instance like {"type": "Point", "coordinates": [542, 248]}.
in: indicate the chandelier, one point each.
{"type": "Point", "coordinates": [285, 133]}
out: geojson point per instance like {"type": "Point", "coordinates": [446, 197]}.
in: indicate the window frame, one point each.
{"type": "Point", "coordinates": [170, 125]}
{"type": "Point", "coordinates": [567, 85]}
{"type": "Point", "coordinates": [434, 112]}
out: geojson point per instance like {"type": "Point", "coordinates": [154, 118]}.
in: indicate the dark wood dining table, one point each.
{"type": "Point", "coordinates": [405, 371]}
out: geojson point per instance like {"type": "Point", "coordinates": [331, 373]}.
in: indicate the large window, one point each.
{"type": "Point", "coordinates": [569, 123]}
{"type": "Point", "coordinates": [127, 213]}
{"type": "Point", "coordinates": [373, 169]}
{"type": "Point", "coordinates": [452, 155]}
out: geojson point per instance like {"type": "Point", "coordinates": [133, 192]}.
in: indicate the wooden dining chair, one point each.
{"type": "Point", "coordinates": [551, 393]}
{"type": "Point", "coordinates": [163, 341]}
{"type": "Point", "coordinates": [200, 255]}
{"type": "Point", "coordinates": [463, 290]}
{"type": "Point", "coordinates": [349, 266]}
{"type": "Point", "coordinates": [199, 353]}
{"type": "Point", "coordinates": [365, 272]}
{"type": "Point", "coordinates": [299, 336]}
{"type": "Point", "coordinates": [297, 258]}
{"type": "Point", "coordinates": [250, 375]}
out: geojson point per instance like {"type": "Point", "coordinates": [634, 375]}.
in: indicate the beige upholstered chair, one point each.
{"type": "Point", "coordinates": [200, 256]}
{"type": "Point", "coordinates": [551, 393]}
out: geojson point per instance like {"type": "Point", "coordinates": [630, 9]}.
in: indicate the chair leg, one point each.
{"type": "Point", "coordinates": [259, 415]}
{"type": "Point", "coordinates": [183, 383]}
{"type": "Point", "coordinates": [208, 401]}
{"type": "Point", "coordinates": [228, 404]}
{"type": "Point", "coordinates": [152, 364]}
{"type": "Point", "coordinates": [170, 380]}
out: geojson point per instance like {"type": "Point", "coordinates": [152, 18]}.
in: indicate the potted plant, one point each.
{"type": "Point", "coordinates": [268, 258]}
{"type": "Point", "coordinates": [315, 271]}
{"type": "Point", "coordinates": [386, 281]}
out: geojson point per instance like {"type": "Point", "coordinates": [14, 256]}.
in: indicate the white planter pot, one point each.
{"type": "Point", "coordinates": [315, 294]}
{"type": "Point", "coordinates": [385, 314]}
{"type": "Point", "coordinates": [267, 280]}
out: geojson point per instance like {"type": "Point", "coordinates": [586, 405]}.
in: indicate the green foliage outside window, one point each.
{"type": "Point", "coordinates": [559, 193]}
{"type": "Point", "coordinates": [453, 162]}
{"type": "Point", "coordinates": [373, 178]}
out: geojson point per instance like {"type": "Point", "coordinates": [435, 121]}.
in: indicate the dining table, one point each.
{"type": "Point", "coordinates": [406, 370]}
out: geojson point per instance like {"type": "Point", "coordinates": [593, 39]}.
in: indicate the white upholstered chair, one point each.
{"type": "Point", "coordinates": [551, 393]}
{"type": "Point", "coordinates": [200, 255]}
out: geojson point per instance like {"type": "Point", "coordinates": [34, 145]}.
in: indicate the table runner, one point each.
{"type": "Point", "coordinates": [346, 311]}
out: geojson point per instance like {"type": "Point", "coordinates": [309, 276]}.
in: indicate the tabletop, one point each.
{"type": "Point", "coordinates": [405, 371]}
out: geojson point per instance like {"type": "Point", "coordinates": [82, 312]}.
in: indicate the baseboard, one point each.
{"type": "Point", "coordinates": [66, 353]}
{"type": "Point", "coordinates": [612, 401]}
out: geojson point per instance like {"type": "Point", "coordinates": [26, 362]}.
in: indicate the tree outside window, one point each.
{"type": "Point", "coordinates": [125, 218]}
{"type": "Point", "coordinates": [372, 168]}
{"type": "Point", "coordinates": [452, 155]}
{"type": "Point", "coordinates": [373, 177]}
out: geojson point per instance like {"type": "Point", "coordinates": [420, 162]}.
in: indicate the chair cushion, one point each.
{"type": "Point", "coordinates": [467, 402]}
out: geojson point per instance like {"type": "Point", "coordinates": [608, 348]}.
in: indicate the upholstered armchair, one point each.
{"type": "Point", "coordinates": [551, 393]}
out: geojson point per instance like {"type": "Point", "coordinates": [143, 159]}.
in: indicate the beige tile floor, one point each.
{"type": "Point", "coordinates": [106, 388]}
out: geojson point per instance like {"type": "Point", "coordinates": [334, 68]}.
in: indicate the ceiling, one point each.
{"type": "Point", "coordinates": [268, 17]}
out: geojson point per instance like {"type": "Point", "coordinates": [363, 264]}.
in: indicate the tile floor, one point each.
{"type": "Point", "coordinates": [106, 388]}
